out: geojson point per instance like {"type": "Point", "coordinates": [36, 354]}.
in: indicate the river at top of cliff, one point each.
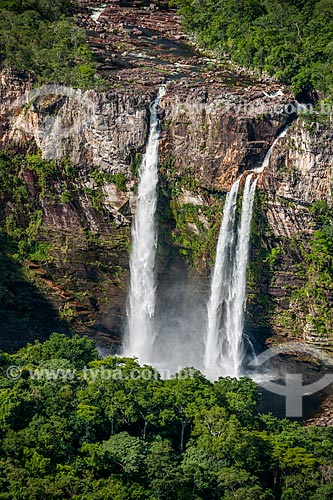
{"type": "Point", "coordinates": [138, 44]}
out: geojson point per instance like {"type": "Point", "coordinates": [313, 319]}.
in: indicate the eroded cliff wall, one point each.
{"type": "Point", "coordinates": [69, 167]}
{"type": "Point", "coordinates": [298, 211]}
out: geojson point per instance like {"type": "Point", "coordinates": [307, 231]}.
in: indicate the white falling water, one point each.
{"type": "Point", "coordinates": [235, 319]}
{"type": "Point", "coordinates": [140, 337]}
{"type": "Point", "coordinates": [97, 12]}
{"type": "Point", "coordinates": [224, 350]}
{"type": "Point", "coordinates": [265, 163]}
{"type": "Point", "coordinates": [220, 286]}
{"type": "Point", "coordinates": [224, 344]}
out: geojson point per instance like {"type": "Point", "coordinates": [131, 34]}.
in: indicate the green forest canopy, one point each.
{"type": "Point", "coordinates": [40, 37]}
{"type": "Point", "coordinates": [92, 436]}
{"type": "Point", "coordinates": [291, 39]}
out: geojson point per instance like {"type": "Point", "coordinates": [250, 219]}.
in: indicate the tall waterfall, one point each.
{"type": "Point", "coordinates": [234, 358]}
{"type": "Point", "coordinates": [224, 343]}
{"type": "Point", "coordinates": [140, 336]}
{"type": "Point", "coordinates": [221, 285]}
{"type": "Point", "coordinates": [224, 351]}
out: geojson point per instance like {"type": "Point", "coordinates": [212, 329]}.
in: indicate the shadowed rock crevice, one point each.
{"type": "Point", "coordinates": [26, 313]}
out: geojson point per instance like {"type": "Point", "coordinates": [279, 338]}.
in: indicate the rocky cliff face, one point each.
{"type": "Point", "coordinates": [215, 126]}
{"type": "Point", "coordinates": [217, 134]}
{"type": "Point", "coordinates": [300, 173]}
{"type": "Point", "coordinates": [86, 206]}
{"type": "Point", "coordinates": [298, 182]}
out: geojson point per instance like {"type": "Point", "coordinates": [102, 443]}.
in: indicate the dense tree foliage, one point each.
{"type": "Point", "coordinates": [73, 426]}
{"type": "Point", "coordinates": [291, 39]}
{"type": "Point", "coordinates": [41, 38]}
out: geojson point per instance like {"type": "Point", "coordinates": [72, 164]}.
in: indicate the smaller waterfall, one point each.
{"type": "Point", "coordinates": [224, 350]}
{"type": "Point", "coordinates": [265, 163]}
{"type": "Point", "coordinates": [224, 343]}
{"type": "Point", "coordinates": [235, 318]}
{"type": "Point", "coordinates": [97, 12]}
{"type": "Point", "coordinates": [220, 286]}
{"type": "Point", "coordinates": [140, 337]}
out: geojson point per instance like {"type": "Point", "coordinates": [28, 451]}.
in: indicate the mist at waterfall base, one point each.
{"type": "Point", "coordinates": [201, 324]}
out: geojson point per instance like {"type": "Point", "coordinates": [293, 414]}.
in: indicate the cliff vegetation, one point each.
{"type": "Point", "coordinates": [41, 38]}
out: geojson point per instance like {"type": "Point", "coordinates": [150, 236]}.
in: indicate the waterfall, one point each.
{"type": "Point", "coordinates": [140, 335]}
{"type": "Point", "coordinates": [265, 163]}
{"type": "Point", "coordinates": [224, 343]}
{"type": "Point", "coordinates": [235, 319]}
{"type": "Point", "coordinates": [221, 284]}
{"type": "Point", "coordinates": [224, 350]}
